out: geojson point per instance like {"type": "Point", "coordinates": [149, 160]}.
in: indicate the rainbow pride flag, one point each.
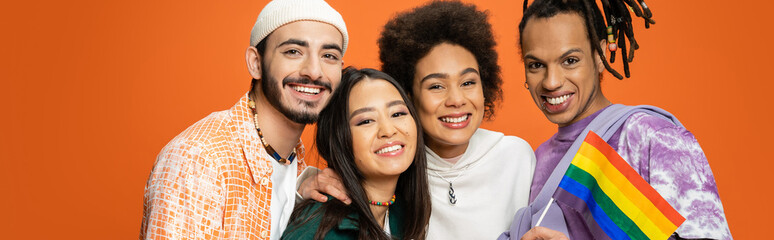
{"type": "Point", "coordinates": [615, 201]}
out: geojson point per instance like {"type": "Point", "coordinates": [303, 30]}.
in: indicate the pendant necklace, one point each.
{"type": "Point", "coordinates": [452, 197]}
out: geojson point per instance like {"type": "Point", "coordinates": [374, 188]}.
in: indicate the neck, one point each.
{"type": "Point", "coordinates": [598, 103]}
{"type": "Point", "coordinates": [278, 131]}
{"type": "Point", "coordinates": [446, 150]}
{"type": "Point", "coordinates": [380, 190]}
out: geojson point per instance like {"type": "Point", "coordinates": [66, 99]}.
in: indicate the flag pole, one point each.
{"type": "Point", "coordinates": [544, 212]}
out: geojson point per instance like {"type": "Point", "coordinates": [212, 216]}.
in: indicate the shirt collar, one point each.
{"type": "Point", "coordinates": [350, 221]}
{"type": "Point", "coordinates": [247, 137]}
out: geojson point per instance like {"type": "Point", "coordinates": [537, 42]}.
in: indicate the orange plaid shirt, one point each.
{"type": "Point", "coordinates": [213, 181]}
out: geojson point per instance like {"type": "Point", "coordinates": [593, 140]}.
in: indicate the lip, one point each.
{"type": "Point", "coordinates": [458, 125]}
{"type": "Point", "coordinates": [391, 154]}
{"type": "Point", "coordinates": [550, 108]}
{"type": "Point", "coordinates": [304, 96]}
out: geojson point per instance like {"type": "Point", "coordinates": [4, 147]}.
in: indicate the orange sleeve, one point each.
{"type": "Point", "coordinates": [183, 196]}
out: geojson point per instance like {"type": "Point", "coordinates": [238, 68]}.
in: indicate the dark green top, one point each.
{"type": "Point", "coordinates": [347, 228]}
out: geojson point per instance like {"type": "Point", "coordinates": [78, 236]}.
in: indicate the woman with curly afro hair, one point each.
{"type": "Point", "coordinates": [443, 54]}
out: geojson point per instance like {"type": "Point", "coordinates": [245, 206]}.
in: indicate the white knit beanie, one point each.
{"type": "Point", "coordinates": [280, 12]}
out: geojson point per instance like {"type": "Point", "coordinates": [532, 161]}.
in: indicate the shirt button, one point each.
{"type": "Point", "coordinates": [264, 234]}
{"type": "Point", "coordinates": [264, 181]}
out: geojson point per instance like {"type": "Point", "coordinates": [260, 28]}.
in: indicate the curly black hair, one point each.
{"type": "Point", "coordinates": [411, 35]}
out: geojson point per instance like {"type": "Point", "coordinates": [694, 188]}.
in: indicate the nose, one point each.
{"type": "Point", "coordinates": [455, 97]}
{"type": "Point", "coordinates": [311, 68]}
{"type": "Point", "coordinates": [553, 79]}
{"type": "Point", "coordinates": [387, 128]}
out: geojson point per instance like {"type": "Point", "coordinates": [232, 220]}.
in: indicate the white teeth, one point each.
{"type": "Point", "coordinates": [389, 149]}
{"type": "Point", "coordinates": [557, 100]}
{"type": "Point", "coordinates": [306, 90]}
{"type": "Point", "coordinates": [455, 120]}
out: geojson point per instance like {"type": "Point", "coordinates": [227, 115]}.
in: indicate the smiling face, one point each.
{"type": "Point", "coordinates": [449, 98]}
{"type": "Point", "coordinates": [301, 66]}
{"type": "Point", "coordinates": [384, 135]}
{"type": "Point", "coordinates": [562, 71]}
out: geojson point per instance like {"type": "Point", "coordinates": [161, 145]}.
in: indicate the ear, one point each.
{"type": "Point", "coordinates": [253, 60]}
{"type": "Point", "coordinates": [600, 64]}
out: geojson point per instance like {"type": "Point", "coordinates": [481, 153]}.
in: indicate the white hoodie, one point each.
{"type": "Point", "coordinates": [491, 182]}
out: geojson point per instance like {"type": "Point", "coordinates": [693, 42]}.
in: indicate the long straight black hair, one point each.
{"type": "Point", "coordinates": [334, 143]}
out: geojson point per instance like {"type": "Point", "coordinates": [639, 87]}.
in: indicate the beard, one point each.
{"type": "Point", "coordinates": [273, 92]}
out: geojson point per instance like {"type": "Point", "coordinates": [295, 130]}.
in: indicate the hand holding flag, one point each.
{"type": "Point", "coordinates": [614, 200]}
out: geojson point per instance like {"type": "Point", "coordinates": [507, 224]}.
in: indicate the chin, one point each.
{"type": "Point", "coordinates": [456, 138]}
{"type": "Point", "coordinates": [390, 173]}
{"type": "Point", "coordinates": [557, 119]}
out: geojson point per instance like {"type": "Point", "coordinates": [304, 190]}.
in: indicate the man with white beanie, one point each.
{"type": "Point", "coordinates": [233, 174]}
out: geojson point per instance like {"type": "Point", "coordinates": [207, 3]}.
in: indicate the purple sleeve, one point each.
{"type": "Point", "coordinates": [671, 160]}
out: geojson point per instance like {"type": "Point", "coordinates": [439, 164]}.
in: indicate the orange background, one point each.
{"type": "Point", "coordinates": [92, 90]}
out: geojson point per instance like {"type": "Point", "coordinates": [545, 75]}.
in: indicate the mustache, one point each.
{"type": "Point", "coordinates": [305, 81]}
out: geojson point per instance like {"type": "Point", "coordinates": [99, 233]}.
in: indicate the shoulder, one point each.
{"type": "Point", "coordinates": [670, 158]}
{"type": "Point", "coordinates": [506, 142]}
{"type": "Point", "coordinates": [203, 139]}
{"type": "Point", "coordinates": [305, 225]}
{"type": "Point", "coordinates": [210, 130]}
{"type": "Point", "coordinates": [511, 150]}
{"type": "Point", "coordinates": [310, 211]}
{"type": "Point", "coordinates": [308, 221]}
{"type": "Point", "coordinates": [516, 143]}
{"type": "Point", "coordinates": [649, 137]}
{"type": "Point", "coordinates": [646, 127]}
{"type": "Point", "coordinates": [197, 151]}
{"type": "Point", "coordinates": [650, 121]}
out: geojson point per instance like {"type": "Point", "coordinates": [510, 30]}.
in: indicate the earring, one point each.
{"type": "Point", "coordinates": [526, 86]}
{"type": "Point", "coordinates": [611, 40]}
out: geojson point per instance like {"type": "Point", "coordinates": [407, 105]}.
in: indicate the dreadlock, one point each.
{"type": "Point", "coordinates": [617, 18]}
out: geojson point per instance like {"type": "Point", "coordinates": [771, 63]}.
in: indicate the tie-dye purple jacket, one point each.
{"type": "Point", "coordinates": [665, 155]}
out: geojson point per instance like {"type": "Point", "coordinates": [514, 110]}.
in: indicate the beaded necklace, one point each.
{"type": "Point", "coordinates": [392, 201]}
{"type": "Point", "coordinates": [266, 146]}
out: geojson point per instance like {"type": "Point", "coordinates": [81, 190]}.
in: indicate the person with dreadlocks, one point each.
{"type": "Point", "coordinates": [563, 45]}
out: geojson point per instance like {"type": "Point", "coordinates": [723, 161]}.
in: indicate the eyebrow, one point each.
{"type": "Point", "coordinates": [369, 109]}
{"type": "Point", "coordinates": [568, 52]}
{"type": "Point", "coordinates": [529, 56]}
{"type": "Point", "coordinates": [396, 102]}
{"type": "Point", "coordinates": [303, 43]}
{"type": "Point", "coordinates": [469, 70]}
{"type": "Point", "coordinates": [361, 110]}
{"type": "Point", "coordinates": [295, 42]}
{"type": "Point", "coordinates": [444, 75]}
{"type": "Point", "coordinates": [434, 75]}
{"type": "Point", "coordinates": [332, 46]}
